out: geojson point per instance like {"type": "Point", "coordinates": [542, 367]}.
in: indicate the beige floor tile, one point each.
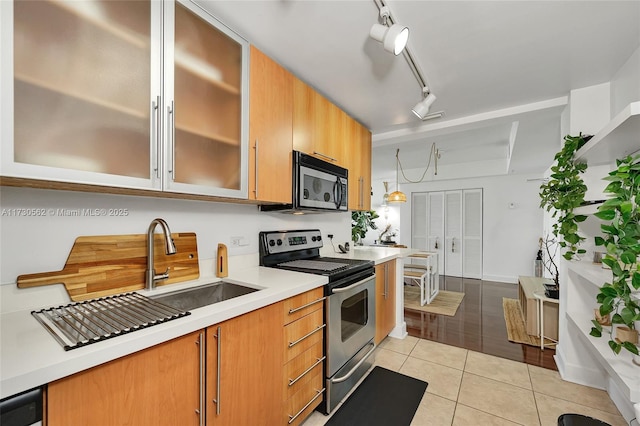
{"type": "Point", "coordinates": [434, 411]}
{"type": "Point", "coordinates": [404, 346]}
{"type": "Point", "coordinates": [439, 353]}
{"type": "Point", "coordinates": [465, 416]}
{"type": "Point", "coordinates": [550, 408]}
{"type": "Point", "coordinates": [500, 399]}
{"type": "Point", "coordinates": [315, 419]}
{"type": "Point", "coordinates": [549, 383]}
{"type": "Point", "coordinates": [389, 359]}
{"type": "Point", "coordinates": [500, 369]}
{"type": "Point", "coordinates": [443, 381]}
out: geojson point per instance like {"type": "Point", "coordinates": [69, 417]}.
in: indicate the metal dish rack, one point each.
{"type": "Point", "coordinates": [82, 323]}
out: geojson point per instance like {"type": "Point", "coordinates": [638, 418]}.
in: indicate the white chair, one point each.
{"type": "Point", "coordinates": [421, 275]}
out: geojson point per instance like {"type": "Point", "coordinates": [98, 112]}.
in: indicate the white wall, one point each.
{"type": "Point", "coordinates": [41, 244]}
{"type": "Point", "coordinates": [625, 85]}
{"type": "Point", "coordinates": [510, 234]}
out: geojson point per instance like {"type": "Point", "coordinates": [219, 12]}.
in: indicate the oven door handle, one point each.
{"type": "Point", "coordinates": [352, 286]}
{"type": "Point", "coordinates": [355, 367]}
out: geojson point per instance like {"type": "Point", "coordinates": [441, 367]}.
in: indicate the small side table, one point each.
{"type": "Point", "coordinates": [541, 297]}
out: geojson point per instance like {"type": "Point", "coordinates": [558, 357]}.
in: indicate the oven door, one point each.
{"type": "Point", "coordinates": [351, 321]}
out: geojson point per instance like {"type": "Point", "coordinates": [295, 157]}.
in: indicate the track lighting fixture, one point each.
{"type": "Point", "coordinates": [422, 108]}
{"type": "Point", "coordinates": [393, 37]}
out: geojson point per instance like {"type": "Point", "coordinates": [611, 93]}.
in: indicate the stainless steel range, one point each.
{"type": "Point", "coordinates": [349, 307]}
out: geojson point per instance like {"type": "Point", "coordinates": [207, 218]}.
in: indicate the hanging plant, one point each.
{"type": "Point", "coordinates": [563, 192]}
{"type": "Point", "coordinates": [622, 242]}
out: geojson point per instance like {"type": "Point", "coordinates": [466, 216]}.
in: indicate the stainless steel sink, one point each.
{"type": "Point", "coordinates": [207, 294]}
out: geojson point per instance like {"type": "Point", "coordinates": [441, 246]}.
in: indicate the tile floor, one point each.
{"type": "Point", "coordinates": [471, 388]}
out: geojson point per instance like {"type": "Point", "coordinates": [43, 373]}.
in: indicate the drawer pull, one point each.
{"type": "Point", "coordinates": [320, 327]}
{"type": "Point", "coordinates": [306, 306]}
{"type": "Point", "coordinates": [293, 381]}
{"type": "Point", "coordinates": [318, 393]}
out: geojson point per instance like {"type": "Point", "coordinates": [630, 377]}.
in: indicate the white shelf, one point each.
{"type": "Point", "coordinates": [617, 139]}
{"type": "Point", "coordinates": [587, 209]}
{"type": "Point", "coordinates": [619, 367]}
{"type": "Point", "coordinates": [592, 272]}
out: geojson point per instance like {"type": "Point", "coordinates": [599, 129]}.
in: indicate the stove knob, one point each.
{"type": "Point", "coordinates": [272, 243]}
{"type": "Point", "coordinates": [313, 238]}
{"type": "Point", "coordinates": [279, 242]}
{"type": "Point", "coordinates": [319, 238]}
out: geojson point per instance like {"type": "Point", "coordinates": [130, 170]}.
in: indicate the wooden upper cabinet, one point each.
{"type": "Point", "coordinates": [156, 386]}
{"type": "Point", "coordinates": [358, 156]}
{"type": "Point", "coordinates": [270, 129]}
{"type": "Point", "coordinates": [317, 125]}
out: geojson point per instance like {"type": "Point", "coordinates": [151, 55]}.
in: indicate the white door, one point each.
{"type": "Point", "coordinates": [436, 226]}
{"type": "Point", "coordinates": [453, 233]}
{"type": "Point", "coordinates": [472, 233]}
{"type": "Point", "coordinates": [419, 221]}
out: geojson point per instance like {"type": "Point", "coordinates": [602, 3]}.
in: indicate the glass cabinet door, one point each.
{"type": "Point", "coordinates": [207, 135]}
{"type": "Point", "coordinates": [82, 87]}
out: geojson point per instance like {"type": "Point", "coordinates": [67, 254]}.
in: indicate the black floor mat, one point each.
{"type": "Point", "coordinates": [384, 398]}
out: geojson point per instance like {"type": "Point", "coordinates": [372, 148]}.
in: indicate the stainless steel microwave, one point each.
{"type": "Point", "coordinates": [318, 186]}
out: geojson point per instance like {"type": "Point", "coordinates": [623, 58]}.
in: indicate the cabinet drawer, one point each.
{"type": "Point", "coordinates": [303, 304]}
{"type": "Point", "coordinates": [300, 370]}
{"type": "Point", "coordinates": [303, 402]}
{"type": "Point", "coordinates": [302, 334]}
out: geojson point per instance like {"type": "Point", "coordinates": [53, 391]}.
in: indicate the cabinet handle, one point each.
{"type": "Point", "coordinates": [216, 401]}
{"type": "Point", "coordinates": [171, 115]}
{"type": "Point", "coordinates": [255, 191]}
{"type": "Point", "coordinates": [320, 327]}
{"type": "Point", "coordinates": [453, 245]}
{"type": "Point", "coordinates": [319, 360]}
{"type": "Point", "coordinates": [200, 410]}
{"type": "Point", "coordinates": [361, 192]}
{"type": "Point", "coordinates": [316, 396]}
{"type": "Point", "coordinates": [386, 280]}
{"type": "Point", "coordinates": [324, 155]}
{"type": "Point", "coordinates": [155, 106]}
{"type": "Point", "coordinates": [299, 308]}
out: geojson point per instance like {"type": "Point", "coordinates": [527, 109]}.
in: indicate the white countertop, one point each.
{"type": "Point", "coordinates": [31, 357]}
{"type": "Point", "coordinates": [377, 254]}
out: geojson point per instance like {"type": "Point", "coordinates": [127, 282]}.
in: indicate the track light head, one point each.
{"type": "Point", "coordinates": [422, 108]}
{"type": "Point", "coordinates": [394, 38]}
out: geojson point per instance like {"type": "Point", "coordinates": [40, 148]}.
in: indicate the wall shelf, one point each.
{"type": "Point", "coordinates": [592, 272]}
{"type": "Point", "coordinates": [617, 139]}
{"type": "Point", "coordinates": [619, 367]}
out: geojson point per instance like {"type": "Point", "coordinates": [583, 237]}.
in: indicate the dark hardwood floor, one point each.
{"type": "Point", "coordinates": [478, 324]}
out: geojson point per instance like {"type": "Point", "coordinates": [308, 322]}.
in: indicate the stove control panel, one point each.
{"type": "Point", "coordinates": [285, 241]}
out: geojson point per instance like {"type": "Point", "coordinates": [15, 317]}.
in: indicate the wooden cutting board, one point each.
{"type": "Point", "coordinates": [110, 264]}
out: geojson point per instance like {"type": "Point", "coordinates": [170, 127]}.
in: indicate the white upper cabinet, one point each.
{"type": "Point", "coordinates": [135, 94]}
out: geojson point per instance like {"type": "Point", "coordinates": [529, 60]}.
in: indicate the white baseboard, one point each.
{"type": "Point", "coordinates": [500, 279]}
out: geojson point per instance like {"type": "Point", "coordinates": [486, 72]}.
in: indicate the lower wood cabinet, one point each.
{"type": "Point", "coordinates": [244, 369]}
{"type": "Point", "coordinates": [302, 385]}
{"type": "Point", "coordinates": [385, 299]}
{"type": "Point", "coordinates": [156, 386]}
{"type": "Point", "coordinates": [265, 367]}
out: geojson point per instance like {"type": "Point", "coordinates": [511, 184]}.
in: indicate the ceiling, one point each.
{"type": "Point", "coordinates": [501, 70]}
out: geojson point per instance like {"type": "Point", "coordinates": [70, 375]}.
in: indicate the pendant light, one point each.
{"type": "Point", "coordinates": [397, 196]}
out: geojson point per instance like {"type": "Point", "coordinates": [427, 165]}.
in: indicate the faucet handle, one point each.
{"type": "Point", "coordinates": [163, 276]}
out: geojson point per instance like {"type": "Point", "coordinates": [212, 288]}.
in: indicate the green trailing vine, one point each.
{"type": "Point", "coordinates": [622, 243]}
{"type": "Point", "coordinates": [563, 192]}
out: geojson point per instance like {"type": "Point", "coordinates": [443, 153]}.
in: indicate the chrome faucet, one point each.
{"type": "Point", "coordinates": [170, 248]}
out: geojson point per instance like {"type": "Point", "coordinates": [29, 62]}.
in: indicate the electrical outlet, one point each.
{"type": "Point", "coordinates": [238, 241]}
